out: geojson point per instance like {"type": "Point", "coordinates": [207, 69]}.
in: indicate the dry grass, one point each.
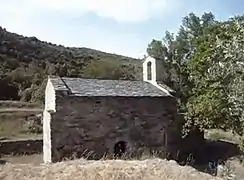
{"type": "Point", "coordinates": [151, 169]}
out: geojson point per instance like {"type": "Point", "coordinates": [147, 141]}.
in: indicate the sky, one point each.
{"type": "Point", "coordinates": [123, 27]}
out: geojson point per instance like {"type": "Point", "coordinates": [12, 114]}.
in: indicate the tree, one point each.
{"type": "Point", "coordinates": [216, 70]}
{"type": "Point", "coordinates": [174, 51]}
{"type": "Point", "coordinates": [205, 65]}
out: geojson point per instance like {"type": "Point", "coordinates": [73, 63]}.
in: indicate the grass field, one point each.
{"type": "Point", "coordinates": [17, 104]}
{"type": "Point", "coordinates": [14, 123]}
{"type": "Point", "coordinates": [34, 159]}
{"type": "Point", "coordinates": [216, 134]}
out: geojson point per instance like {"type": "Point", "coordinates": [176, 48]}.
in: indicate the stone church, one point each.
{"type": "Point", "coordinates": [98, 117]}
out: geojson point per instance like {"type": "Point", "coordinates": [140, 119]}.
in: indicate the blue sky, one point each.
{"type": "Point", "coordinates": [123, 27]}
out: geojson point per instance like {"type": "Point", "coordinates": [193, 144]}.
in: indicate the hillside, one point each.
{"type": "Point", "coordinates": [25, 63]}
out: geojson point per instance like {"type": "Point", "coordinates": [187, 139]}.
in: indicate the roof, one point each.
{"type": "Point", "coordinates": [163, 85]}
{"type": "Point", "coordinates": [98, 87]}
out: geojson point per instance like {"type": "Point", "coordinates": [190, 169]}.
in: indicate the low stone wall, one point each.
{"type": "Point", "coordinates": [21, 147]}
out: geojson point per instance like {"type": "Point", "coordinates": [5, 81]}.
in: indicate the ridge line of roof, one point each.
{"type": "Point", "coordinates": [105, 87]}
{"type": "Point", "coordinates": [102, 79]}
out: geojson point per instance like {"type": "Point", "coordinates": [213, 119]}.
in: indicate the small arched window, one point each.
{"type": "Point", "coordinates": [149, 70]}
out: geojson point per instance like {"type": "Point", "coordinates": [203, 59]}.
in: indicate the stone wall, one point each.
{"type": "Point", "coordinates": [20, 147]}
{"type": "Point", "coordinates": [87, 126]}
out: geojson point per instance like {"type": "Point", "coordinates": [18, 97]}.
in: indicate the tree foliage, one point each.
{"type": "Point", "coordinates": [204, 63]}
{"type": "Point", "coordinates": [216, 70]}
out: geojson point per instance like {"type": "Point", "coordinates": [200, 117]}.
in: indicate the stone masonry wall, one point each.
{"type": "Point", "coordinates": [20, 147]}
{"type": "Point", "coordinates": [88, 125]}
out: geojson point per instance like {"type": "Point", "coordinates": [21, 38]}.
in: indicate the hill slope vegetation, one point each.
{"type": "Point", "coordinates": [25, 63]}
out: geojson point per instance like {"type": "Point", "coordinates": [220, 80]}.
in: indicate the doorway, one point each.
{"type": "Point", "coordinates": [120, 148]}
